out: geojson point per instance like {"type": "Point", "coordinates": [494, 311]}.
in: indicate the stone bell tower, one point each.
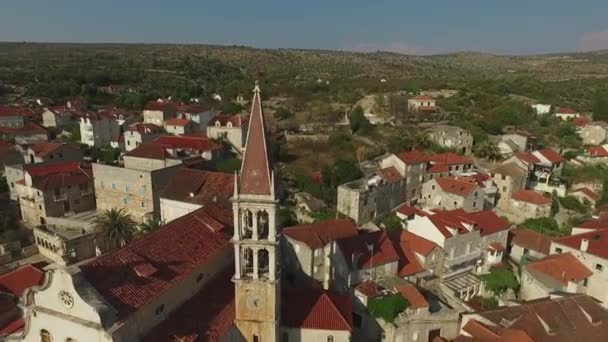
{"type": "Point", "coordinates": [256, 277]}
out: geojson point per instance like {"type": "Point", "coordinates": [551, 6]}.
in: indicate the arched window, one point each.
{"type": "Point", "coordinates": [248, 261]}
{"type": "Point", "coordinates": [247, 230]}
{"type": "Point", "coordinates": [263, 263]}
{"type": "Point", "coordinates": [45, 336]}
{"type": "Point", "coordinates": [262, 218]}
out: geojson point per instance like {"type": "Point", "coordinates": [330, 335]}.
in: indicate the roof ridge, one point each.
{"type": "Point", "coordinates": [344, 320]}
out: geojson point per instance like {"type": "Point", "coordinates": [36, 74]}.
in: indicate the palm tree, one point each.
{"type": "Point", "coordinates": [114, 229]}
{"type": "Point", "coordinates": [150, 225]}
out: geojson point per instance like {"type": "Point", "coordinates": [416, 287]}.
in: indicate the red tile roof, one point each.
{"type": "Point", "coordinates": [455, 186]}
{"type": "Point", "coordinates": [573, 317]}
{"type": "Point", "coordinates": [358, 248]}
{"type": "Point", "coordinates": [424, 98]}
{"type": "Point", "coordinates": [438, 168]}
{"type": "Point", "coordinates": [207, 316]}
{"type": "Point", "coordinates": [177, 122]}
{"type": "Point", "coordinates": [59, 175]}
{"type": "Point", "coordinates": [450, 159]}
{"type": "Point", "coordinates": [369, 288]}
{"type": "Point", "coordinates": [150, 151]}
{"type": "Point", "coordinates": [197, 143]}
{"type": "Point", "coordinates": [318, 234]}
{"type": "Point", "coordinates": [200, 187]}
{"type": "Point", "coordinates": [496, 246]}
{"type": "Point", "coordinates": [413, 242]}
{"type": "Point", "coordinates": [236, 119]}
{"type": "Point", "coordinates": [175, 250]}
{"type": "Point", "coordinates": [191, 108]}
{"type": "Point", "coordinates": [15, 111]}
{"type": "Point", "coordinates": [565, 110]}
{"type": "Point", "coordinates": [581, 121]}
{"type": "Point", "coordinates": [486, 221]}
{"type": "Point", "coordinates": [27, 129]}
{"type": "Point", "coordinates": [21, 279]}
{"type": "Point", "coordinates": [589, 193]}
{"type": "Point", "coordinates": [43, 148]}
{"type": "Point", "coordinates": [255, 170]}
{"type": "Point", "coordinates": [406, 245]}
{"type": "Point", "coordinates": [407, 210]}
{"type": "Point", "coordinates": [158, 106]}
{"type": "Point", "coordinates": [413, 296]}
{"type": "Point", "coordinates": [601, 223]}
{"type": "Point", "coordinates": [413, 157]}
{"type": "Point", "coordinates": [316, 309]}
{"type": "Point", "coordinates": [390, 174]}
{"type": "Point", "coordinates": [598, 242]}
{"type": "Point", "coordinates": [561, 267]}
{"type": "Point", "coordinates": [145, 128]}
{"type": "Point", "coordinates": [527, 158]}
{"type": "Point", "coordinates": [531, 240]}
{"type": "Point", "coordinates": [480, 332]}
{"type": "Point", "coordinates": [597, 151]}
{"type": "Point", "coordinates": [551, 155]}
{"type": "Point", "coordinates": [12, 326]}
{"type": "Point", "coordinates": [531, 196]}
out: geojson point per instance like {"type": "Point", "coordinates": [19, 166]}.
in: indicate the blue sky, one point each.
{"type": "Point", "coordinates": [416, 27]}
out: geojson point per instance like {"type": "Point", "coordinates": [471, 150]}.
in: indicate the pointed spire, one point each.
{"type": "Point", "coordinates": [255, 170]}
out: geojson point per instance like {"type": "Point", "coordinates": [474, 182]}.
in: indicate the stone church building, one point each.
{"type": "Point", "coordinates": [213, 274]}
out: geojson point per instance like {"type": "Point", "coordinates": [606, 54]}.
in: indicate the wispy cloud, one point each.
{"type": "Point", "coordinates": [593, 41]}
{"type": "Point", "coordinates": [403, 48]}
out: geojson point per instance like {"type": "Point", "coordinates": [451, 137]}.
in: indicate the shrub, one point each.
{"type": "Point", "coordinates": [392, 223]}
{"type": "Point", "coordinates": [500, 280]}
{"type": "Point", "coordinates": [387, 307]}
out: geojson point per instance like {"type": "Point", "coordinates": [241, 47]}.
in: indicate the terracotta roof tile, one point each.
{"type": "Point", "coordinates": [390, 175]}
{"type": "Point", "coordinates": [369, 288]}
{"type": "Point", "coordinates": [158, 106]}
{"type": "Point", "coordinates": [413, 296]}
{"type": "Point", "coordinates": [318, 234]}
{"type": "Point", "coordinates": [455, 186]}
{"type": "Point", "coordinates": [59, 174]}
{"type": "Point", "coordinates": [200, 187]}
{"type": "Point", "coordinates": [597, 151]}
{"type": "Point", "coordinates": [17, 281]}
{"type": "Point", "coordinates": [407, 245]}
{"type": "Point", "coordinates": [598, 242]}
{"type": "Point", "coordinates": [413, 157]}
{"type": "Point", "coordinates": [450, 159]}
{"type": "Point", "coordinates": [43, 148]}
{"type": "Point", "coordinates": [359, 247]}
{"type": "Point", "coordinates": [12, 326]}
{"type": "Point", "coordinates": [175, 250]}
{"type": "Point", "coordinates": [15, 111]}
{"type": "Point", "coordinates": [150, 151]}
{"type": "Point", "coordinates": [196, 143]}
{"type": "Point", "coordinates": [565, 110]}
{"type": "Point", "coordinates": [561, 267]}
{"type": "Point", "coordinates": [316, 309]}
{"type": "Point", "coordinates": [485, 333]}
{"type": "Point", "coordinates": [551, 155]}
{"type": "Point", "coordinates": [177, 122]}
{"type": "Point", "coordinates": [407, 210]}
{"type": "Point", "coordinates": [530, 196]}
{"type": "Point", "coordinates": [581, 121]}
{"type": "Point", "coordinates": [527, 158]}
{"type": "Point", "coordinates": [255, 170]}
{"type": "Point", "coordinates": [235, 119]}
{"type": "Point", "coordinates": [531, 240]}
{"type": "Point", "coordinates": [145, 128]}
{"type": "Point", "coordinates": [29, 128]}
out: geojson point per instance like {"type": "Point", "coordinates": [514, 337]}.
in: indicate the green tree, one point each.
{"type": "Point", "coordinates": [387, 307]}
{"type": "Point", "coordinates": [282, 113]}
{"type": "Point", "coordinates": [392, 223]}
{"type": "Point", "coordinates": [150, 226]}
{"type": "Point", "coordinates": [554, 204]}
{"type": "Point", "coordinates": [110, 155]}
{"type": "Point", "coordinates": [231, 107]}
{"type": "Point", "coordinates": [500, 280]}
{"type": "Point", "coordinates": [358, 122]}
{"type": "Point", "coordinates": [114, 229]}
{"type": "Point", "coordinates": [229, 165]}
{"type": "Point", "coordinates": [600, 107]}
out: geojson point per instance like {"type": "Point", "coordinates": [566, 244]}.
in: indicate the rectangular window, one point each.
{"type": "Point", "coordinates": [126, 188]}
{"type": "Point", "coordinates": [330, 338]}
{"type": "Point", "coordinates": [101, 184]}
{"type": "Point", "coordinates": [125, 201]}
{"type": "Point", "coordinates": [256, 338]}
{"type": "Point", "coordinates": [113, 186]}
{"type": "Point", "coordinates": [143, 204]}
{"type": "Point", "coordinates": [558, 250]}
{"type": "Point", "coordinates": [599, 267]}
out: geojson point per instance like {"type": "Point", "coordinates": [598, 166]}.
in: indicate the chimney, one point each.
{"type": "Point", "coordinates": [584, 245]}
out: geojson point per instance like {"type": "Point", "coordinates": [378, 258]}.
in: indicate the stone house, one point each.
{"type": "Point", "coordinates": [363, 257]}
{"type": "Point", "coordinates": [509, 178]}
{"type": "Point", "coordinates": [452, 193]}
{"type": "Point", "coordinates": [59, 117]}
{"type": "Point", "coordinates": [528, 204]}
{"type": "Point", "coordinates": [177, 126]}
{"type": "Point", "coordinates": [528, 244]}
{"type": "Point", "coordinates": [150, 157]}
{"type": "Point", "coordinates": [9, 155]}
{"type": "Point", "coordinates": [48, 152]}
{"type": "Point", "coordinates": [306, 205]}
{"type": "Point", "coordinates": [565, 113]}
{"type": "Point", "coordinates": [309, 251]}
{"type": "Point", "coordinates": [445, 164]}
{"type": "Point", "coordinates": [465, 237]}
{"type": "Point", "coordinates": [590, 249]}
{"type": "Point", "coordinates": [190, 189]}
{"type": "Point", "coordinates": [594, 133]}
{"type": "Point", "coordinates": [195, 113]}
{"type": "Point", "coordinates": [585, 196]}
{"type": "Point", "coordinates": [554, 273]}
{"type": "Point", "coordinates": [157, 112]}
{"type": "Point", "coordinates": [137, 190]}
{"type": "Point", "coordinates": [452, 137]}
{"type": "Point", "coordinates": [512, 143]}
{"type": "Point", "coordinates": [422, 104]}
{"type": "Point", "coordinates": [412, 166]}
{"type": "Point", "coordinates": [228, 127]}
{"type": "Point", "coordinates": [66, 244]}
{"type": "Point", "coordinates": [14, 116]}
{"type": "Point", "coordinates": [371, 197]}
{"type": "Point", "coordinates": [140, 133]}
{"type": "Point", "coordinates": [97, 129]}
{"type": "Point", "coordinates": [54, 190]}
{"type": "Point", "coordinates": [561, 317]}
{"type": "Point", "coordinates": [181, 147]}
{"type": "Point", "coordinates": [421, 261]}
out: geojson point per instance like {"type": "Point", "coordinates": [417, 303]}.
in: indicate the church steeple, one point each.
{"type": "Point", "coordinates": [255, 177]}
{"type": "Point", "coordinates": [256, 253]}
